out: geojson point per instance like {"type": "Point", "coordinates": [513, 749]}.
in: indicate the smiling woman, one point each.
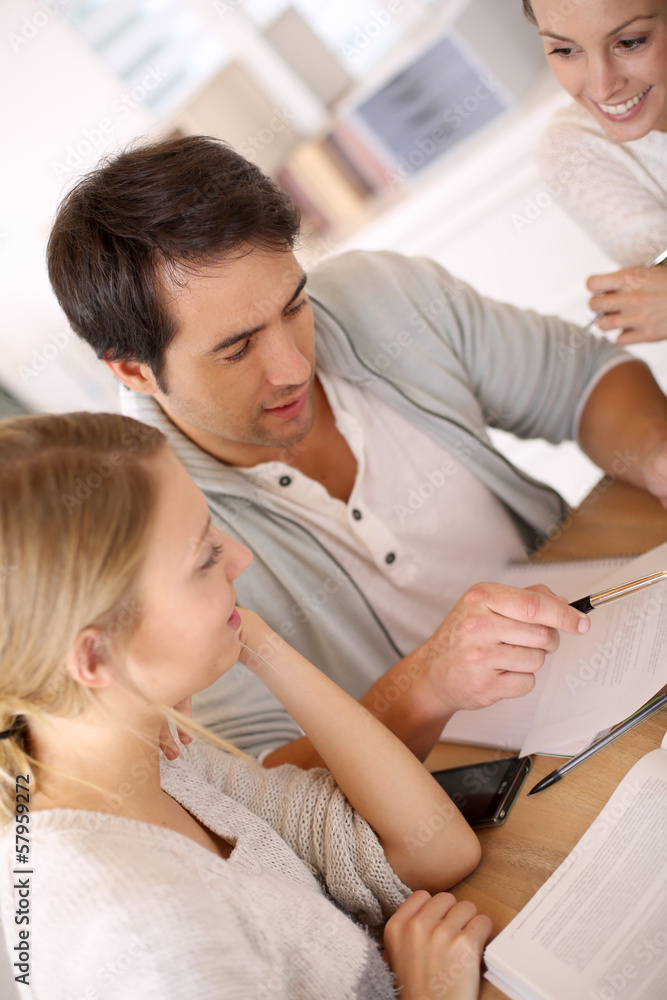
{"type": "Point", "coordinates": [605, 156]}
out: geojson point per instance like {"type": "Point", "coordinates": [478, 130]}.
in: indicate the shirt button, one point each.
{"type": "Point", "coordinates": [285, 480]}
{"type": "Point", "coordinates": [356, 514]}
{"type": "Point", "coordinates": [390, 557]}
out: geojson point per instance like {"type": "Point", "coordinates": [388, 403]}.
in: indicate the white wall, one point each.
{"type": "Point", "coordinates": [55, 94]}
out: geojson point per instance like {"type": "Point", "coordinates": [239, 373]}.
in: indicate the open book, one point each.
{"type": "Point", "coordinates": [592, 682]}
{"type": "Point", "coordinates": [597, 929]}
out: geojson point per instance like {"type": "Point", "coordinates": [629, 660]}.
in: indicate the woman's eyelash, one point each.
{"type": "Point", "coordinates": [216, 551]}
{"type": "Point", "coordinates": [632, 43]}
{"type": "Point", "coordinates": [628, 44]}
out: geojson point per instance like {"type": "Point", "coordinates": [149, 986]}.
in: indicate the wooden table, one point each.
{"type": "Point", "coordinates": [518, 857]}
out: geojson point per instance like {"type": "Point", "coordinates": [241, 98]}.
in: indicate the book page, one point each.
{"type": "Point", "coordinates": [506, 724]}
{"type": "Point", "coordinates": [596, 680]}
{"type": "Point", "coordinates": [597, 929]}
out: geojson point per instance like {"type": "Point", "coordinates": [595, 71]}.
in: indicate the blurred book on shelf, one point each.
{"type": "Point", "coordinates": [328, 191]}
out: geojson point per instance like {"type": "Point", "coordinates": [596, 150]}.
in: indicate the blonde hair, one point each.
{"type": "Point", "coordinates": [77, 498]}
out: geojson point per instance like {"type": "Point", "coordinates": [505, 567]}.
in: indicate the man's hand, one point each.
{"type": "Point", "coordinates": [487, 648]}
{"type": "Point", "coordinates": [635, 302]}
{"type": "Point", "coordinates": [492, 642]}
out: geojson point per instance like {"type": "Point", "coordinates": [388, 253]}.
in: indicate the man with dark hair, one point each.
{"type": "Point", "coordinates": [342, 434]}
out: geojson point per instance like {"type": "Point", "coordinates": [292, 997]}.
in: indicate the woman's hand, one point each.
{"type": "Point", "coordinates": [434, 946]}
{"type": "Point", "coordinates": [634, 301]}
{"type": "Point", "coordinates": [256, 637]}
{"type": "Point", "coordinates": [168, 744]}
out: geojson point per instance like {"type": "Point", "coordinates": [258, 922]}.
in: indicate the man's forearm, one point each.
{"type": "Point", "coordinates": [624, 420]}
{"type": "Point", "coordinates": [486, 648]}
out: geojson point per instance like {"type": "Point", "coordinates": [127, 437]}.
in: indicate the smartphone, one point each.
{"type": "Point", "coordinates": [485, 792]}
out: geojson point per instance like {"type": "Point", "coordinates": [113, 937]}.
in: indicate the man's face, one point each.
{"type": "Point", "coordinates": [240, 369]}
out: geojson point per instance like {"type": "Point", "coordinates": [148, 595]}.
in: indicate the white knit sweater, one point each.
{"type": "Point", "coordinates": [616, 191]}
{"type": "Point", "coordinates": [126, 910]}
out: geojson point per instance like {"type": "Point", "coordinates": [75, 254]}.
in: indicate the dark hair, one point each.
{"type": "Point", "coordinates": [160, 208]}
{"type": "Point", "coordinates": [529, 12]}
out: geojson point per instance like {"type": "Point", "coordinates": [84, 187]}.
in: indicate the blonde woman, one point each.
{"type": "Point", "coordinates": [605, 155]}
{"type": "Point", "coordinates": [205, 877]}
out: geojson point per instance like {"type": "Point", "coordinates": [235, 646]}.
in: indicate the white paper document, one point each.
{"type": "Point", "coordinates": [597, 929]}
{"type": "Point", "coordinates": [592, 682]}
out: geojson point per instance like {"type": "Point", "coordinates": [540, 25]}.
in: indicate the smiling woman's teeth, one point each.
{"type": "Point", "coordinates": [619, 109]}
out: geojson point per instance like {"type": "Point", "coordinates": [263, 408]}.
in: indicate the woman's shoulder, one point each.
{"type": "Point", "coordinates": [128, 904]}
{"type": "Point", "coordinates": [575, 134]}
{"type": "Point", "coordinates": [570, 128]}
{"type": "Point", "coordinates": [92, 842]}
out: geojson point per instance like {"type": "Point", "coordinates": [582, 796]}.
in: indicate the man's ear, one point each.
{"type": "Point", "coordinates": [135, 375]}
{"type": "Point", "coordinates": [89, 660]}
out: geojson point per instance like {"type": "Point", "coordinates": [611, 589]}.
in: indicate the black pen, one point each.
{"type": "Point", "coordinates": [587, 604]}
{"type": "Point", "coordinates": [623, 727]}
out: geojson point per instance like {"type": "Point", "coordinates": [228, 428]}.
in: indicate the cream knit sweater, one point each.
{"type": "Point", "coordinates": [126, 910]}
{"type": "Point", "coordinates": [616, 191]}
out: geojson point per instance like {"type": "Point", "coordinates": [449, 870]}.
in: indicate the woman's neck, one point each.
{"type": "Point", "coordinates": [96, 765]}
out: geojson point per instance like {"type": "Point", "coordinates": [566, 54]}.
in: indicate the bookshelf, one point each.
{"type": "Point", "coordinates": [347, 148]}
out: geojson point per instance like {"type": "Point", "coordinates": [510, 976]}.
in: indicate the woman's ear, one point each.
{"type": "Point", "coordinates": [89, 662]}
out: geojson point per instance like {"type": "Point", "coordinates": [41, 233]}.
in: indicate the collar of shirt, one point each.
{"type": "Point", "coordinates": [355, 519]}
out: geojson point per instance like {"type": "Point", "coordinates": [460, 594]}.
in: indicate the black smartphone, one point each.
{"type": "Point", "coordinates": [485, 792]}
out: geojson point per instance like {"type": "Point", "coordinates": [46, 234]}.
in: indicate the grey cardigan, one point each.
{"type": "Point", "coordinates": [452, 362]}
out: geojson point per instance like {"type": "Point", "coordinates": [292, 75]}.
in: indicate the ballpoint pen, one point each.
{"type": "Point", "coordinates": [654, 263]}
{"type": "Point", "coordinates": [593, 601]}
{"type": "Point", "coordinates": [623, 727]}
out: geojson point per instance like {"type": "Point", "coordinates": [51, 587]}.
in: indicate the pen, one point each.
{"type": "Point", "coordinates": [623, 727]}
{"type": "Point", "coordinates": [656, 260]}
{"type": "Point", "coordinates": [587, 604]}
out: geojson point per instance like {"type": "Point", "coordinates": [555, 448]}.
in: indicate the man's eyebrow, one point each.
{"type": "Point", "coordinates": [639, 17]}
{"type": "Point", "coordinates": [234, 338]}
